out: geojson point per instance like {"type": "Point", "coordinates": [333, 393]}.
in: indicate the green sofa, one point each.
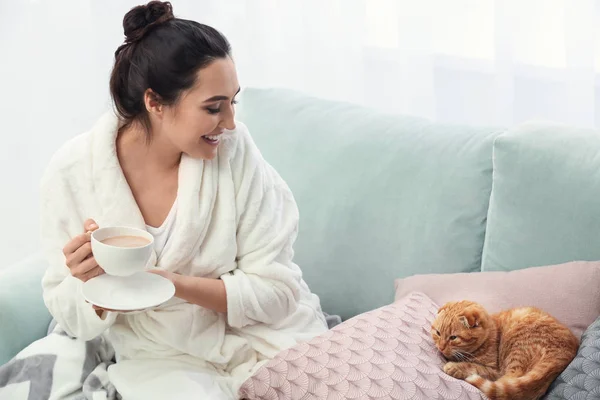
{"type": "Point", "coordinates": [384, 196]}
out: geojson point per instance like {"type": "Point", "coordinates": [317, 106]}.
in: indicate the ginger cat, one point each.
{"type": "Point", "coordinates": [512, 355]}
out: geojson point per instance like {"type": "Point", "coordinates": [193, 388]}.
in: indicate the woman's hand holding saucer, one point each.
{"type": "Point", "coordinates": [172, 276]}
{"type": "Point", "coordinates": [100, 310]}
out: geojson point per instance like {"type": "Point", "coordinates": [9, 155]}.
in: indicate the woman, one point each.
{"type": "Point", "coordinates": [174, 161]}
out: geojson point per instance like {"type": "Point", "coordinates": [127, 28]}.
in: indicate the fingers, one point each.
{"type": "Point", "coordinates": [87, 270]}
{"type": "Point", "coordinates": [79, 255]}
{"type": "Point", "coordinates": [84, 268]}
{"type": "Point", "coordinates": [98, 308]}
{"type": "Point", "coordinates": [90, 225]}
{"type": "Point", "coordinates": [76, 243]}
{"type": "Point", "coordinates": [159, 272]}
{"type": "Point", "coordinates": [79, 240]}
{"type": "Point", "coordinates": [92, 274]}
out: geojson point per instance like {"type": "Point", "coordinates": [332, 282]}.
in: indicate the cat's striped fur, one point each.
{"type": "Point", "coordinates": [512, 355]}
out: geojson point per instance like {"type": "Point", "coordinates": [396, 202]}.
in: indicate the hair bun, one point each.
{"type": "Point", "coordinates": [139, 20]}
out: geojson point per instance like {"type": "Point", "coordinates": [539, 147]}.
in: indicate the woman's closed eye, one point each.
{"type": "Point", "coordinates": [216, 110]}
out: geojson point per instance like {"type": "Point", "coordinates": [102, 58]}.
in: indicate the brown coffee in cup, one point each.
{"type": "Point", "coordinates": [126, 241]}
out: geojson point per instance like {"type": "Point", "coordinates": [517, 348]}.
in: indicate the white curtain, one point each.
{"type": "Point", "coordinates": [465, 61]}
{"type": "Point", "coordinates": [493, 62]}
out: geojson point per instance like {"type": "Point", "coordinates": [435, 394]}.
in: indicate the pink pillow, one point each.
{"type": "Point", "coordinates": [570, 292]}
{"type": "Point", "coordinates": [387, 353]}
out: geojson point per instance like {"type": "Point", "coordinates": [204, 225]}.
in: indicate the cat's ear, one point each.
{"type": "Point", "coordinates": [470, 318]}
{"type": "Point", "coordinates": [443, 308]}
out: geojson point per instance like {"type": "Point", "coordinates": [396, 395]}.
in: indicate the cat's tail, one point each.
{"type": "Point", "coordinates": [530, 386]}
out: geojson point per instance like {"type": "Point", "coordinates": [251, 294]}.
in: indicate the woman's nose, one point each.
{"type": "Point", "coordinates": [228, 120]}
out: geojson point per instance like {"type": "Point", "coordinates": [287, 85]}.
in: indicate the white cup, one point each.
{"type": "Point", "coordinates": [117, 260]}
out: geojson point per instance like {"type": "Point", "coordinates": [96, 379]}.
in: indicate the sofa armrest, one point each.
{"type": "Point", "coordinates": [23, 316]}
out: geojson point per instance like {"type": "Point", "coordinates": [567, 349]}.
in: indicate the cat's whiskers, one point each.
{"type": "Point", "coordinates": [467, 355]}
{"type": "Point", "coordinates": [457, 355]}
{"type": "Point", "coordinates": [462, 355]}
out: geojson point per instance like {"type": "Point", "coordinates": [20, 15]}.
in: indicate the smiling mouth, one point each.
{"type": "Point", "coordinates": [212, 139]}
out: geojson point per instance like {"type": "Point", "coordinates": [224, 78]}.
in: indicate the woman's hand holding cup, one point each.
{"type": "Point", "coordinates": [78, 254]}
{"type": "Point", "coordinates": [111, 247]}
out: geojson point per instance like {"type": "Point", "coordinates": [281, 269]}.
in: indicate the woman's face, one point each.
{"type": "Point", "coordinates": [194, 124]}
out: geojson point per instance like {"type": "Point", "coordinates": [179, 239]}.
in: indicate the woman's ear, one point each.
{"type": "Point", "coordinates": [153, 103]}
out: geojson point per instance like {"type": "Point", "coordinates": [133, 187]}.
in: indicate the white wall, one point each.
{"type": "Point", "coordinates": [53, 85]}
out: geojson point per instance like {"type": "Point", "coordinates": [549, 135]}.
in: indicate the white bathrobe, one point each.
{"type": "Point", "coordinates": [236, 220]}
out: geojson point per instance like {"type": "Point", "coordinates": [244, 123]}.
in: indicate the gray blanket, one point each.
{"type": "Point", "coordinates": [62, 367]}
{"type": "Point", "coordinates": [59, 367]}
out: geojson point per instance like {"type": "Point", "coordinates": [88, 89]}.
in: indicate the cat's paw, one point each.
{"type": "Point", "coordinates": [456, 370]}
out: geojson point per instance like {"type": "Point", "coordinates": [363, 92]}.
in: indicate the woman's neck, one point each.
{"type": "Point", "coordinates": [135, 150]}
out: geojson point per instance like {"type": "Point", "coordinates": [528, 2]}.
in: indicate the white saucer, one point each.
{"type": "Point", "coordinates": [128, 293]}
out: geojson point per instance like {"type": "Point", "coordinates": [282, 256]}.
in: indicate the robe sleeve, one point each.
{"type": "Point", "coordinates": [60, 221]}
{"type": "Point", "coordinates": [266, 285]}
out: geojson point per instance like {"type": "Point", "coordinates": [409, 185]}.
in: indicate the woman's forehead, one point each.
{"type": "Point", "coordinates": [219, 78]}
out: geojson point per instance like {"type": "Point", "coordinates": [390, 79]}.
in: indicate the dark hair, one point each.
{"type": "Point", "coordinates": [162, 53]}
